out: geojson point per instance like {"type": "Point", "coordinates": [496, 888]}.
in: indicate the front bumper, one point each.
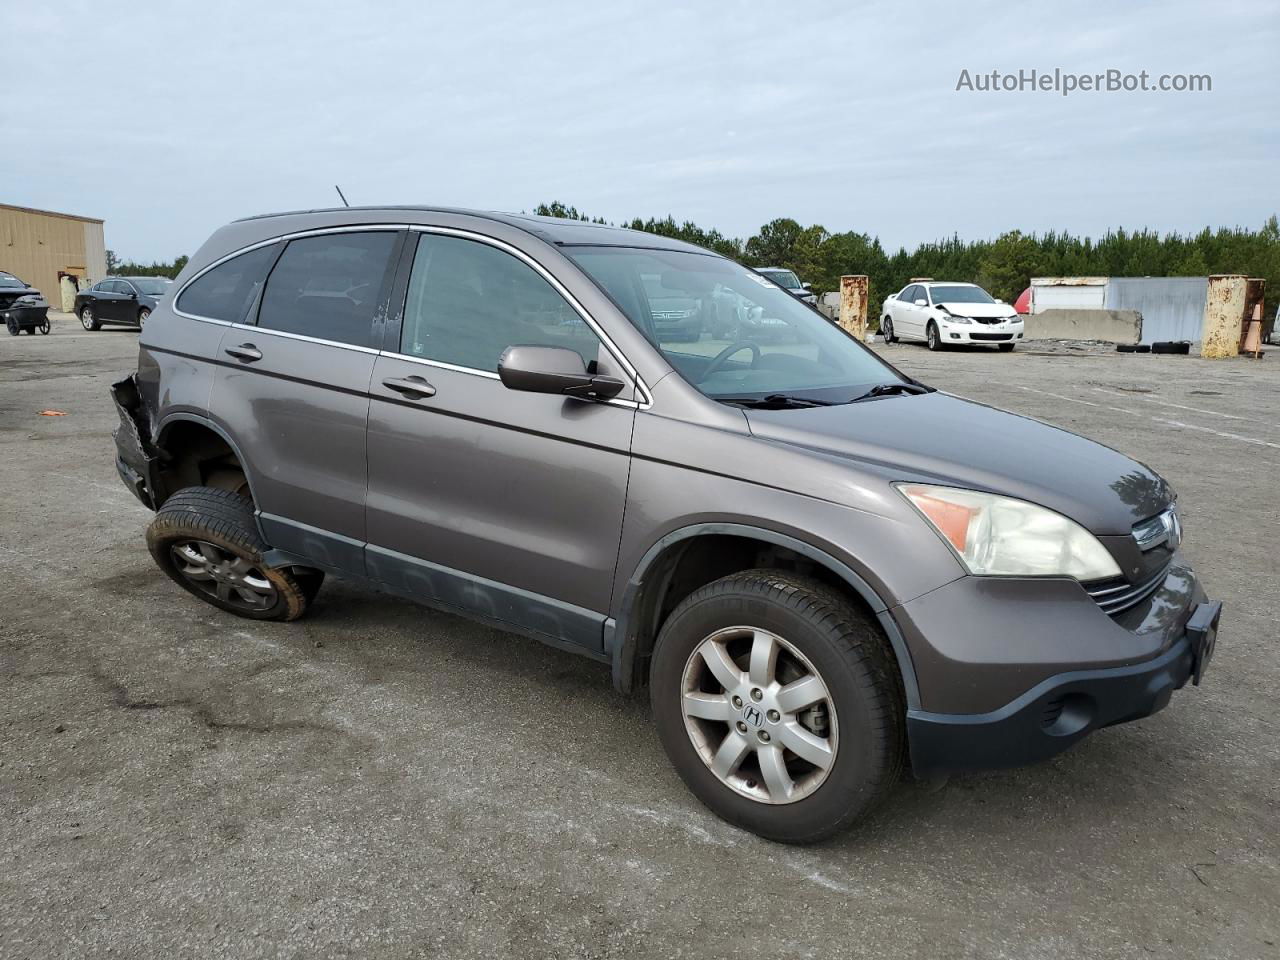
{"type": "Point", "coordinates": [1064, 708]}
{"type": "Point", "coordinates": [984, 333]}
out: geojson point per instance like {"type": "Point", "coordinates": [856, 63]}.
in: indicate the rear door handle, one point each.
{"type": "Point", "coordinates": [246, 352]}
{"type": "Point", "coordinates": [415, 388]}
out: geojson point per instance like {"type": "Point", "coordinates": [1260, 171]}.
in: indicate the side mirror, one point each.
{"type": "Point", "coordinates": [557, 370]}
{"type": "Point", "coordinates": [998, 300]}
{"type": "Point", "coordinates": [805, 285]}
{"type": "Point", "coordinates": [921, 302]}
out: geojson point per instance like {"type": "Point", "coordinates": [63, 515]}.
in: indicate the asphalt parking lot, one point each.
{"type": "Point", "coordinates": [381, 779]}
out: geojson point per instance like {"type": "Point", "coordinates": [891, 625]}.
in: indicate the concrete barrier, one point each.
{"type": "Point", "coordinates": [1111, 326]}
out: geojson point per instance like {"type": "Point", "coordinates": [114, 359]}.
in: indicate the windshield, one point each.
{"type": "Point", "coordinates": [960, 295]}
{"type": "Point", "coordinates": [783, 278]}
{"type": "Point", "coordinates": [730, 332]}
{"type": "Point", "coordinates": [151, 286]}
{"type": "Point", "coordinates": [9, 280]}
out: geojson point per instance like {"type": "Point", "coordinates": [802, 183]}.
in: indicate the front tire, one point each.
{"type": "Point", "coordinates": [779, 704]}
{"type": "Point", "coordinates": [886, 329]}
{"type": "Point", "coordinates": [932, 338]}
{"type": "Point", "coordinates": [206, 541]}
{"type": "Point", "coordinates": [88, 320]}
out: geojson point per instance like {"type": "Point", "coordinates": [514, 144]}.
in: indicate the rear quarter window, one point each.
{"type": "Point", "coordinates": [226, 291]}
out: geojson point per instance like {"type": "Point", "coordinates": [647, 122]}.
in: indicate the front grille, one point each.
{"type": "Point", "coordinates": [670, 316]}
{"type": "Point", "coordinates": [989, 319]}
{"type": "Point", "coordinates": [991, 336]}
{"type": "Point", "coordinates": [1117, 595]}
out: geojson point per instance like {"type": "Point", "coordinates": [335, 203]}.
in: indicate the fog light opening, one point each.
{"type": "Point", "coordinates": [1068, 714]}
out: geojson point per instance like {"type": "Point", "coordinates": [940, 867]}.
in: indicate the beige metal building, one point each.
{"type": "Point", "coordinates": [54, 252]}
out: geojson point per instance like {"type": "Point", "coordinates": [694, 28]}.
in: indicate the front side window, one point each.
{"type": "Point", "coordinates": [468, 301]}
{"type": "Point", "coordinates": [729, 332]}
{"type": "Point", "coordinates": [327, 287]}
{"type": "Point", "coordinates": [226, 291]}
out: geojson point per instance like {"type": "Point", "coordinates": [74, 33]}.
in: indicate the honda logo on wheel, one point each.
{"type": "Point", "coordinates": [753, 716]}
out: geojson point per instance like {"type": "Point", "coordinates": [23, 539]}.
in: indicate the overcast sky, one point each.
{"type": "Point", "coordinates": [169, 119]}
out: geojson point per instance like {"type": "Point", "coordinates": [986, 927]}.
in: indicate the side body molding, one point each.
{"type": "Point", "coordinates": [621, 644]}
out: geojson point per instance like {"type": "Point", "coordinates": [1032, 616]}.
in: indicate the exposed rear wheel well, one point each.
{"type": "Point", "coordinates": [193, 455]}
{"type": "Point", "coordinates": [686, 565]}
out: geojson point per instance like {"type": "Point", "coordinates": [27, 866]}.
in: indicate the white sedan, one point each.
{"type": "Point", "coordinates": [949, 313]}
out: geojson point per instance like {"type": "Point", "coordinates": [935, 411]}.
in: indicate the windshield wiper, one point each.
{"type": "Point", "coordinates": [778, 401]}
{"type": "Point", "coordinates": [893, 389]}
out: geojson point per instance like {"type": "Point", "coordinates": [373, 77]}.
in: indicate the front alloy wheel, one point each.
{"type": "Point", "coordinates": [767, 731]}
{"type": "Point", "coordinates": [931, 336]}
{"type": "Point", "coordinates": [779, 703]}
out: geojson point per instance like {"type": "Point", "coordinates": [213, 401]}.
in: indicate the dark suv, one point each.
{"type": "Point", "coordinates": [823, 569]}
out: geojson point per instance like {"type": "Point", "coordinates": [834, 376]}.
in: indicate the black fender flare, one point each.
{"type": "Point", "coordinates": [621, 644]}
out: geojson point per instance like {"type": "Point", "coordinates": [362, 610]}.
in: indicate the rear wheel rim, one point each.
{"type": "Point", "coordinates": [221, 574]}
{"type": "Point", "coordinates": [888, 330]}
{"type": "Point", "coordinates": [86, 318]}
{"type": "Point", "coordinates": [142, 317]}
{"type": "Point", "coordinates": [759, 715]}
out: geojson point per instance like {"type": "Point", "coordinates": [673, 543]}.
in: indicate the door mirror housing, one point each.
{"type": "Point", "coordinates": [805, 285]}
{"type": "Point", "coordinates": [921, 302]}
{"type": "Point", "coordinates": [557, 370]}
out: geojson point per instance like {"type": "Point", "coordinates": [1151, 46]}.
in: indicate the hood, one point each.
{"type": "Point", "coordinates": [10, 294]}
{"type": "Point", "coordinates": [943, 439]}
{"type": "Point", "coordinates": [979, 309]}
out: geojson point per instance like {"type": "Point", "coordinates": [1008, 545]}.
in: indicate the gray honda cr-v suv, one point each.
{"type": "Point", "coordinates": [823, 569]}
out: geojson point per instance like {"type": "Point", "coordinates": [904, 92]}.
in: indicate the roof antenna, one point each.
{"type": "Point", "coordinates": [344, 199]}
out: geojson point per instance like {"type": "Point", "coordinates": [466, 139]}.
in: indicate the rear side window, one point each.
{"type": "Point", "coordinates": [328, 286]}
{"type": "Point", "coordinates": [226, 291]}
{"type": "Point", "coordinates": [469, 301]}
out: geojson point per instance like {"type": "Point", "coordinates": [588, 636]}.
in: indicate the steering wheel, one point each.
{"type": "Point", "coordinates": [721, 357]}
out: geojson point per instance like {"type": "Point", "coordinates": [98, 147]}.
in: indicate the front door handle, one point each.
{"type": "Point", "coordinates": [415, 388]}
{"type": "Point", "coordinates": [246, 352]}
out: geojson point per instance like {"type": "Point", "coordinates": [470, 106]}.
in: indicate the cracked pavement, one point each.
{"type": "Point", "coordinates": [380, 779]}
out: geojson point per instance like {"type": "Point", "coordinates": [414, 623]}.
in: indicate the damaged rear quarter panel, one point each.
{"type": "Point", "coordinates": [179, 353]}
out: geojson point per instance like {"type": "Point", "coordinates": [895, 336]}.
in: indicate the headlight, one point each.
{"type": "Point", "coordinates": [1000, 536]}
{"type": "Point", "coordinates": [30, 300]}
{"type": "Point", "coordinates": [1014, 319]}
{"type": "Point", "coordinates": [952, 318]}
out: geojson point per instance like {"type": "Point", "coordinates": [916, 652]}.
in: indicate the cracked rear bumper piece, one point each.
{"type": "Point", "coordinates": [136, 459]}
